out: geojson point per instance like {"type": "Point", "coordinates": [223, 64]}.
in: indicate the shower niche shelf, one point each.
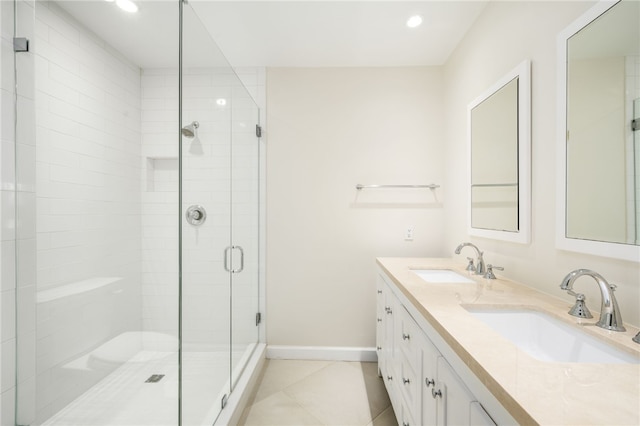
{"type": "Point", "coordinates": [162, 174]}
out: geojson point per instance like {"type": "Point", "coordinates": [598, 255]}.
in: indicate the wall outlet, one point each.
{"type": "Point", "coordinates": [408, 236]}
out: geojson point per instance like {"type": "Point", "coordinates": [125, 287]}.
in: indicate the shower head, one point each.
{"type": "Point", "coordinates": [190, 130]}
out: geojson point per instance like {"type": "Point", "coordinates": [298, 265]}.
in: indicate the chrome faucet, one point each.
{"type": "Point", "coordinates": [480, 268]}
{"type": "Point", "coordinates": [610, 318]}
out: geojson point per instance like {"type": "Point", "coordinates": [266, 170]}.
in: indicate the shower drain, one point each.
{"type": "Point", "coordinates": [155, 378]}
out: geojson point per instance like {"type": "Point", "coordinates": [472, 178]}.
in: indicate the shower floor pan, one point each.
{"type": "Point", "coordinates": [126, 397]}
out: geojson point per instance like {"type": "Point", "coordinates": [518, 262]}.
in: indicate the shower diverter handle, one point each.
{"type": "Point", "coordinates": [226, 259]}
{"type": "Point", "coordinates": [196, 215]}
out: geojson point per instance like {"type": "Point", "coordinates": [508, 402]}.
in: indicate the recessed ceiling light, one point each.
{"type": "Point", "coordinates": [127, 5]}
{"type": "Point", "coordinates": [414, 21]}
{"type": "Point", "coordinates": [221, 101]}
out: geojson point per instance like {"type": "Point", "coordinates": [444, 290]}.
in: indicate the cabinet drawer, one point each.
{"type": "Point", "coordinates": [390, 383]}
{"type": "Point", "coordinates": [409, 339]}
{"type": "Point", "coordinates": [407, 417]}
{"type": "Point", "coordinates": [409, 383]}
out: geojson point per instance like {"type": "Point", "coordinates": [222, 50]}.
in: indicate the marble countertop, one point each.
{"type": "Point", "coordinates": [532, 391]}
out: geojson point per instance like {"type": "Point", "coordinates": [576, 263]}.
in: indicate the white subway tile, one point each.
{"type": "Point", "coordinates": [8, 364]}
{"type": "Point", "coordinates": [7, 165]}
{"type": "Point", "coordinates": [26, 208]}
{"type": "Point", "coordinates": [8, 265]}
{"type": "Point", "coordinates": [26, 129]}
{"type": "Point", "coordinates": [26, 326]}
{"type": "Point", "coordinates": [58, 20]}
{"type": "Point", "coordinates": [7, 399]}
{"type": "Point", "coordinates": [7, 133]}
{"type": "Point", "coordinates": [7, 64]}
{"type": "Point", "coordinates": [6, 23]}
{"type": "Point", "coordinates": [26, 167]}
{"type": "Point", "coordinates": [26, 409]}
{"type": "Point", "coordinates": [25, 25]}
{"type": "Point", "coordinates": [7, 207]}
{"type": "Point", "coordinates": [8, 314]}
{"type": "Point", "coordinates": [25, 66]}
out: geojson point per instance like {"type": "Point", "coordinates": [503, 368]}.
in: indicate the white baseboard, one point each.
{"type": "Point", "coordinates": [322, 353]}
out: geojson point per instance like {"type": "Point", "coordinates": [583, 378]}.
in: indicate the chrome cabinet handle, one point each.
{"type": "Point", "coordinates": [406, 336]}
{"type": "Point", "coordinates": [429, 382]}
{"type": "Point", "coordinates": [389, 377]}
{"type": "Point", "coordinates": [406, 381]}
{"type": "Point", "coordinates": [436, 393]}
{"type": "Point", "coordinates": [379, 291]}
{"type": "Point", "coordinates": [379, 319]}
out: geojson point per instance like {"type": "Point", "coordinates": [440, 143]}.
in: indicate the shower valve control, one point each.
{"type": "Point", "coordinates": [196, 215]}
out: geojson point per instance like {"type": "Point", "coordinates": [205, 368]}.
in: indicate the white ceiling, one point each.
{"type": "Point", "coordinates": [283, 33]}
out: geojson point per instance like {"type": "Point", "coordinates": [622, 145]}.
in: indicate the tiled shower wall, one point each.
{"type": "Point", "coordinates": [7, 215]}
{"type": "Point", "coordinates": [98, 139]}
{"type": "Point", "coordinates": [88, 204]}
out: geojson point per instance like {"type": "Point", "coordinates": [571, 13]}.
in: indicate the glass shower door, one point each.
{"type": "Point", "coordinates": [205, 99]}
{"type": "Point", "coordinates": [636, 168]}
{"type": "Point", "coordinates": [220, 225]}
{"type": "Point", "coordinates": [245, 198]}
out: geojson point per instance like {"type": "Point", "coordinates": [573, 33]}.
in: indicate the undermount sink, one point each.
{"type": "Point", "coordinates": [548, 339]}
{"type": "Point", "coordinates": [441, 276]}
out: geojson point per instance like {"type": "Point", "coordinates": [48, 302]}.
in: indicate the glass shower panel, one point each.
{"type": "Point", "coordinates": [206, 190]}
{"type": "Point", "coordinates": [105, 240]}
{"type": "Point", "coordinates": [245, 184]}
{"type": "Point", "coordinates": [636, 164]}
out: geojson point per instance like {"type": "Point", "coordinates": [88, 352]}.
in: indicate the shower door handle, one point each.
{"type": "Point", "coordinates": [226, 259]}
{"type": "Point", "coordinates": [235, 271]}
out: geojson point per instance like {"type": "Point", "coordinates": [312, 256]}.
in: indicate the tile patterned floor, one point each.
{"type": "Point", "coordinates": [293, 392]}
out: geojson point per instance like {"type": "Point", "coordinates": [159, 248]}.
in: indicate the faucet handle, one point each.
{"type": "Point", "coordinates": [580, 309]}
{"type": "Point", "coordinates": [470, 267]}
{"type": "Point", "coordinates": [489, 274]}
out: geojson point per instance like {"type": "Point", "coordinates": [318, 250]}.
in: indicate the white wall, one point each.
{"type": "Point", "coordinates": [330, 129]}
{"type": "Point", "coordinates": [504, 35]}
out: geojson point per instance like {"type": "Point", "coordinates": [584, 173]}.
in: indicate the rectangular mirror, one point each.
{"type": "Point", "coordinates": [598, 148]}
{"type": "Point", "coordinates": [499, 159]}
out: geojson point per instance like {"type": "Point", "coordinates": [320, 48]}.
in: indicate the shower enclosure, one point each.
{"type": "Point", "coordinates": [137, 211]}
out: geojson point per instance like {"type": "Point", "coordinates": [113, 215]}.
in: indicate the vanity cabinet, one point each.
{"type": "Point", "coordinates": [454, 401]}
{"type": "Point", "coordinates": [423, 387]}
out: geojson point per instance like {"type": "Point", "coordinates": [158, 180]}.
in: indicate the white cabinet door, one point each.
{"type": "Point", "coordinates": [452, 397]}
{"type": "Point", "coordinates": [380, 322]}
{"type": "Point", "coordinates": [478, 416]}
{"type": "Point", "coordinates": [430, 357]}
{"type": "Point", "coordinates": [424, 389]}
